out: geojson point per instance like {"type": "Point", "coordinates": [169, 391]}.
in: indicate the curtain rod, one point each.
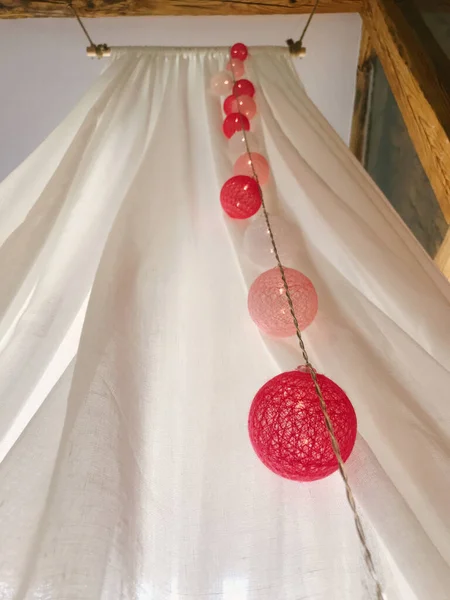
{"type": "Point", "coordinates": [103, 50]}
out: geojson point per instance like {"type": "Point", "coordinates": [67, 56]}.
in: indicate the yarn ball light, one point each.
{"type": "Point", "coordinates": [240, 197]}
{"type": "Point", "coordinates": [243, 87]}
{"type": "Point", "coordinates": [235, 122]}
{"type": "Point", "coordinates": [239, 51]}
{"type": "Point", "coordinates": [247, 163]}
{"type": "Point", "coordinates": [221, 84]}
{"type": "Point", "coordinates": [228, 104]}
{"type": "Point", "coordinates": [268, 305]}
{"type": "Point", "coordinates": [237, 144]}
{"type": "Point", "coordinates": [242, 104]}
{"type": "Point", "coordinates": [258, 245]}
{"type": "Point", "coordinates": [287, 426]}
{"type": "Point", "coordinates": [236, 67]}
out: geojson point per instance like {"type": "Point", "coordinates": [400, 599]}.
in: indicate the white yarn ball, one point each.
{"type": "Point", "coordinates": [258, 245]}
{"type": "Point", "coordinates": [237, 145]}
{"type": "Point", "coordinates": [221, 84]}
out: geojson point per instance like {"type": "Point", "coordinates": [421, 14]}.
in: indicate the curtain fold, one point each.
{"type": "Point", "coordinates": [128, 360]}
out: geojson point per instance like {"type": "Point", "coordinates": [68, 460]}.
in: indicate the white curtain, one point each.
{"type": "Point", "coordinates": [129, 362]}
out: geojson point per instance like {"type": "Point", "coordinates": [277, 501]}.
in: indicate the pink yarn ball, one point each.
{"type": "Point", "coordinates": [221, 83]}
{"type": "Point", "coordinates": [239, 51]}
{"type": "Point", "coordinates": [247, 106]}
{"type": "Point", "coordinates": [244, 105]}
{"type": "Point", "coordinates": [243, 87]}
{"type": "Point", "coordinates": [268, 305]}
{"type": "Point", "coordinates": [235, 122]}
{"type": "Point", "coordinates": [240, 197]}
{"type": "Point", "coordinates": [236, 67]}
{"type": "Point", "coordinates": [287, 427]}
{"type": "Point", "coordinates": [237, 145]}
{"type": "Point", "coordinates": [243, 166]}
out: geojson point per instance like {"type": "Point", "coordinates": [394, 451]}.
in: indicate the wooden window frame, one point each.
{"type": "Point", "coordinates": [418, 72]}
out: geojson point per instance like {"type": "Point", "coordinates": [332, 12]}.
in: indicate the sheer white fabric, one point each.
{"type": "Point", "coordinates": [127, 472]}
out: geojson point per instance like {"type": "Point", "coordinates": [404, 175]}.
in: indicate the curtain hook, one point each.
{"type": "Point", "coordinates": [93, 50]}
{"type": "Point", "coordinates": [297, 48]}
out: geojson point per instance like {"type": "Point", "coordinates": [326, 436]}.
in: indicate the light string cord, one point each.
{"type": "Point", "coordinates": [329, 425]}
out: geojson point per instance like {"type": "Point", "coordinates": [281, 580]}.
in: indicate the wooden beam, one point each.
{"type": "Point", "coordinates": [364, 78]}
{"type": "Point", "coordinates": [14, 9]}
{"type": "Point", "coordinates": [442, 258]}
{"type": "Point", "coordinates": [418, 72]}
{"type": "Point", "coordinates": [434, 5]}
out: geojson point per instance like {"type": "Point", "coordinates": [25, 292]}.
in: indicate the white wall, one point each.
{"type": "Point", "coordinates": [44, 70]}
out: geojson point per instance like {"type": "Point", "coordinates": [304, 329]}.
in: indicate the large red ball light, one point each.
{"type": "Point", "coordinates": [268, 305]}
{"type": "Point", "coordinates": [287, 426]}
{"type": "Point", "coordinates": [239, 51]}
{"type": "Point", "coordinates": [240, 197]}
{"type": "Point", "coordinates": [235, 122]}
{"type": "Point", "coordinates": [243, 87]}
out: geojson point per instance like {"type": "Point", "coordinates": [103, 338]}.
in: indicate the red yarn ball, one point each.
{"type": "Point", "coordinates": [287, 426]}
{"type": "Point", "coordinates": [239, 51]}
{"type": "Point", "coordinates": [240, 197]}
{"type": "Point", "coordinates": [268, 305]}
{"type": "Point", "coordinates": [229, 105]}
{"type": "Point", "coordinates": [243, 87]}
{"type": "Point", "coordinates": [235, 122]}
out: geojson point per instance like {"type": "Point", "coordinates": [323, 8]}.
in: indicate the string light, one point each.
{"type": "Point", "coordinates": [308, 365]}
